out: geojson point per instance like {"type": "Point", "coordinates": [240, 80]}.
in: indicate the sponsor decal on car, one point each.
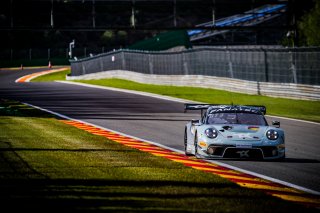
{"type": "Point", "coordinates": [243, 153]}
{"type": "Point", "coordinates": [253, 128]}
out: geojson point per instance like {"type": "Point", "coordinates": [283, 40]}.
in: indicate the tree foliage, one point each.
{"type": "Point", "coordinates": [309, 26]}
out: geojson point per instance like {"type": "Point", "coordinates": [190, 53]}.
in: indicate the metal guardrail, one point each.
{"type": "Point", "coordinates": [276, 65]}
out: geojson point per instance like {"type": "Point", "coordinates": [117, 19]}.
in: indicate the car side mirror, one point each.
{"type": "Point", "coordinates": [195, 122]}
{"type": "Point", "coordinates": [276, 124]}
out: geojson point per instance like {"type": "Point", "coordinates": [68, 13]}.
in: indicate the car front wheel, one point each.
{"type": "Point", "coordinates": [186, 143]}
{"type": "Point", "coordinates": [196, 145]}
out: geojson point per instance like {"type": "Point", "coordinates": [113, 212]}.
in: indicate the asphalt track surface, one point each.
{"type": "Point", "coordinates": [162, 121]}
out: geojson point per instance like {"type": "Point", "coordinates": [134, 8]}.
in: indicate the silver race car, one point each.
{"type": "Point", "coordinates": [233, 131]}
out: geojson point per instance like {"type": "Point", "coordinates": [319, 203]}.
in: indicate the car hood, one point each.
{"type": "Point", "coordinates": [242, 132]}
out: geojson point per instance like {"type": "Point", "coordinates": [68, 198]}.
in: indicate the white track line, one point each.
{"type": "Point", "coordinates": [179, 151]}
{"type": "Point", "coordinates": [17, 80]}
{"type": "Point", "coordinates": [179, 100]}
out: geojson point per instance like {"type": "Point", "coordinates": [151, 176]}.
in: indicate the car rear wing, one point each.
{"type": "Point", "coordinates": [203, 107]}
{"type": "Point", "coordinates": [196, 106]}
{"type": "Point", "coordinates": [261, 108]}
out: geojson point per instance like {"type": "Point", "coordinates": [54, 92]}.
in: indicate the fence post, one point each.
{"type": "Point", "coordinates": [49, 54]}
{"type": "Point", "coordinates": [101, 64]}
{"type": "Point", "coordinates": [11, 54]}
{"type": "Point", "coordinates": [30, 54]}
{"type": "Point", "coordinates": [123, 60]}
{"type": "Point", "coordinates": [83, 68]}
{"type": "Point", "coordinates": [150, 63]}
{"type": "Point", "coordinates": [185, 64]}
{"type": "Point", "coordinates": [293, 68]}
{"type": "Point", "coordinates": [266, 68]}
{"type": "Point", "coordinates": [230, 69]}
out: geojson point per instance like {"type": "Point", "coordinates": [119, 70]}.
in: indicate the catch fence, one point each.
{"type": "Point", "coordinates": [276, 65]}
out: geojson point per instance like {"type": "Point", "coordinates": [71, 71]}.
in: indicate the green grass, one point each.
{"type": "Point", "coordinates": [46, 165]}
{"type": "Point", "coordinates": [300, 109]}
{"type": "Point", "coordinates": [52, 76]}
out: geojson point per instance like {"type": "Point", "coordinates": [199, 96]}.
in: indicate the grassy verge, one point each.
{"type": "Point", "coordinates": [52, 76]}
{"type": "Point", "coordinates": [300, 109]}
{"type": "Point", "coordinates": [46, 165]}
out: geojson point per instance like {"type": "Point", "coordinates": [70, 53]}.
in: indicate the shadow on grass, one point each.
{"type": "Point", "coordinates": [47, 195]}
{"type": "Point", "coordinates": [94, 195]}
{"type": "Point", "coordinates": [23, 188]}
{"type": "Point", "coordinates": [14, 108]}
{"type": "Point", "coordinates": [85, 195]}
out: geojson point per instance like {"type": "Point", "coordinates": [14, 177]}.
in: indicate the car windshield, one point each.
{"type": "Point", "coordinates": [236, 118]}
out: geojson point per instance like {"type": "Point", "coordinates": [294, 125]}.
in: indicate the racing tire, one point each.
{"type": "Point", "coordinates": [196, 146]}
{"type": "Point", "coordinates": [283, 158]}
{"type": "Point", "coordinates": [185, 143]}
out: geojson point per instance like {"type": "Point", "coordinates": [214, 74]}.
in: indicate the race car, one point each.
{"type": "Point", "coordinates": [233, 131]}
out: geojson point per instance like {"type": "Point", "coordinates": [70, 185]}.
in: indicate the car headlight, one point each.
{"type": "Point", "coordinates": [211, 133]}
{"type": "Point", "coordinates": [272, 134]}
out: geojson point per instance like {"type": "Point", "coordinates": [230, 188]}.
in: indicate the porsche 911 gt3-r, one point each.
{"type": "Point", "coordinates": [233, 131]}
